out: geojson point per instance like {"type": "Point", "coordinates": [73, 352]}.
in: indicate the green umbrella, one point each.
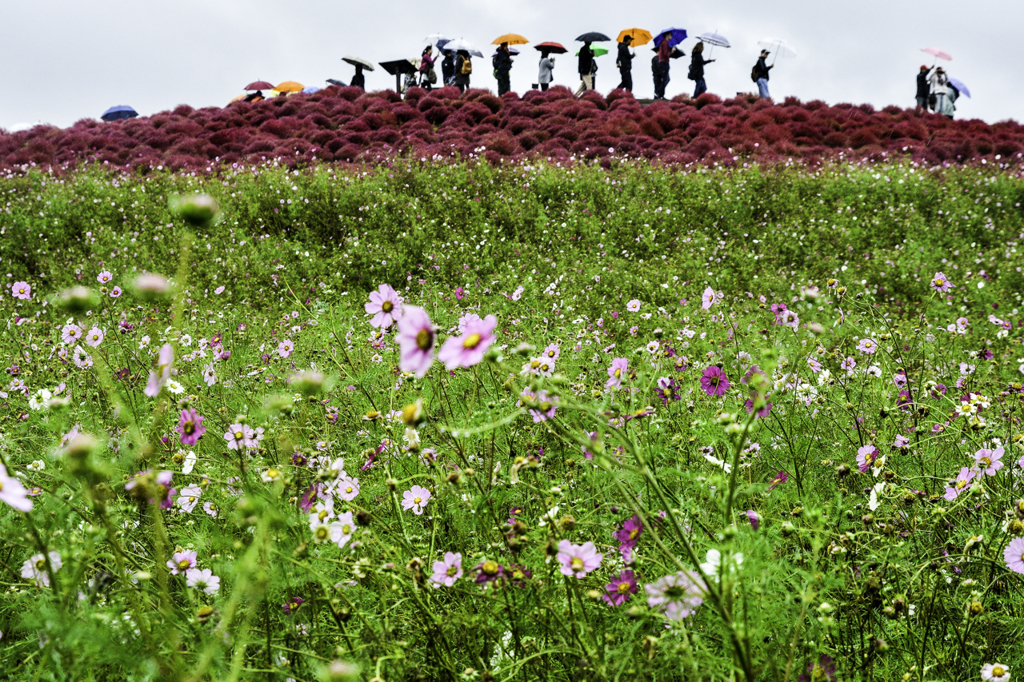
{"type": "Point", "coordinates": [598, 51]}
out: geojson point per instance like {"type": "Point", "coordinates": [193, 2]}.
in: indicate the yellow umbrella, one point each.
{"type": "Point", "coordinates": [239, 98]}
{"type": "Point", "coordinates": [639, 35]}
{"type": "Point", "coordinates": [511, 39]}
{"type": "Point", "coordinates": [290, 86]}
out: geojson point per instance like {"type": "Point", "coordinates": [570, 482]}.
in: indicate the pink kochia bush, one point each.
{"type": "Point", "coordinates": [348, 125]}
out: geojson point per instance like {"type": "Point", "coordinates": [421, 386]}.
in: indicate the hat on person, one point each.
{"type": "Point", "coordinates": [924, 68]}
{"type": "Point", "coordinates": [765, 52]}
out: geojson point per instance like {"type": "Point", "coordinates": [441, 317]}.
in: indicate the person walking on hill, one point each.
{"type": "Point", "coordinates": [502, 62]}
{"type": "Point", "coordinates": [923, 89]}
{"type": "Point", "coordinates": [664, 54]}
{"type": "Point", "coordinates": [940, 89]}
{"type": "Point", "coordinates": [586, 69]}
{"type": "Point", "coordinates": [448, 68]}
{"type": "Point", "coordinates": [358, 80]}
{"type": "Point", "coordinates": [463, 69]}
{"type": "Point", "coordinates": [697, 63]}
{"type": "Point", "coordinates": [427, 60]}
{"type": "Point", "coordinates": [625, 63]}
{"type": "Point", "coordinates": [761, 70]}
{"type": "Point", "coordinates": [545, 75]}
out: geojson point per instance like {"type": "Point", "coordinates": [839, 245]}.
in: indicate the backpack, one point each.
{"type": "Point", "coordinates": [494, 62]}
{"type": "Point", "coordinates": [655, 65]}
{"type": "Point", "coordinates": [690, 74]}
{"type": "Point", "coordinates": [467, 67]}
{"type": "Point", "coordinates": [754, 75]}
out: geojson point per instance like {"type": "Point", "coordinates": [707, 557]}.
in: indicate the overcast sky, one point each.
{"type": "Point", "coordinates": [64, 60]}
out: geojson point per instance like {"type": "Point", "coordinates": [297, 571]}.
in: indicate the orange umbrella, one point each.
{"type": "Point", "coordinates": [290, 86]}
{"type": "Point", "coordinates": [511, 39]}
{"type": "Point", "coordinates": [639, 36]}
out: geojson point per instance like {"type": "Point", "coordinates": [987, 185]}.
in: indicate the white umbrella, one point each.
{"type": "Point", "coordinates": [778, 46]}
{"type": "Point", "coordinates": [462, 44]}
{"type": "Point", "coordinates": [434, 37]}
{"type": "Point", "coordinates": [358, 61]}
{"type": "Point", "coordinates": [714, 39]}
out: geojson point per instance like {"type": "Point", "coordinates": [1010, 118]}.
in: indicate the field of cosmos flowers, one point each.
{"type": "Point", "coordinates": [538, 420]}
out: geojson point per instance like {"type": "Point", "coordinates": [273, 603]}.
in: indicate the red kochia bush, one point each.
{"type": "Point", "coordinates": [345, 124]}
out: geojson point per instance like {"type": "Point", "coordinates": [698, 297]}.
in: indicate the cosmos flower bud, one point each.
{"type": "Point", "coordinates": [198, 210]}
{"type": "Point", "coordinates": [412, 414]}
{"type": "Point", "coordinates": [151, 286]}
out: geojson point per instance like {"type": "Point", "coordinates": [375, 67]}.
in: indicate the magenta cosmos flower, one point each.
{"type": "Point", "coordinates": [21, 290]}
{"type": "Point", "coordinates": [616, 373]}
{"type": "Point", "coordinates": [628, 536]}
{"type": "Point", "coordinates": [385, 305]}
{"type": "Point", "coordinates": [578, 560]}
{"type": "Point", "coordinates": [866, 456]}
{"type": "Point", "coordinates": [448, 571]}
{"type": "Point", "coordinates": [714, 382]}
{"type": "Point", "coordinates": [677, 595]}
{"type": "Point", "coordinates": [1014, 555]}
{"type": "Point", "coordinates": [620, 589]}
{"type": "Point", "coordinates": [190, 426]}
{"type": "Point", "coordinates": [415, 339]}
{"type": "Point", "coordinates": [416, 499]}
{"type": "Point", "coordinates": [468, 350]}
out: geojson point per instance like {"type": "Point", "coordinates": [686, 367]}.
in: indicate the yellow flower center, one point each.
{"type": "Point", "coordinates": [618, 373]}
{"type": "Point", "coordinates": [986, 461]}
{"type": "Point", "coordinates": [489, 567]}
{"type": "Point", "coordinates": [21, 290]}
{"type": "Point", "coordinates": [273, 473]}
{"type": "Point", "coordinates": [452, 570]}
{"type": "Point", "coordinates": [576, 564]}
{"type": "Point", "coordinates": [387, 306]}
{"type": "Point", "coordinates": [424, 339]}
{"type": "Point", "coordinates": [633, 533]}
{"type": "Point", "coordinates": [551, 353]}
{"type": "Point", "coordinates": [534, 364]}
{"type": "Point", "coordinates": [184, 563]}
{"type": "Point", "coordinates": [518, 575]}
{"type": "Point", "coordinates": [346, 529]}
{"type": "Point", "coordinates": [40, 564]}
{"type": "Point", "coordinates": [998, 671]}
{"type": "Point", "coordinates": [623, 587]}
{"type": "Point", "coordinates": [188, 427]}
{"type": "Point", "coordinates": [416, 500]}
{"type": "Point", "coordinates": [321, 533]}
{"type": "Point", "coordinates": [323, 514]}
{"type": "Point", "coordinates": [348, 489]}
{"type": "Point", "coordinates": [960, 484]}
{"type": "Point", "coordinates": [238, 435]}
{"type": "Point", "coordinates": [471, 341]}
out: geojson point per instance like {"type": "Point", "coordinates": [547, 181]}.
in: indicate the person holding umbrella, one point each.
{"type": "Point", "coordinates": [923, 89]}
{"type": "Point", "coordinates": [586, 69]}
{"type": "Point", "coordinates": [448, 68]}
{"type": "Point", "coordinates": [761, 70]}
{"type": "Point", "coordinates": [502, 63]}
{"type": "Point", "coordinates": [427, 60]}
{"type": "Point", "coordinates": [358, 80]}
{"type": "Point", "coordinates": [463, 69]}
{"type": "Point", "coordinates": [625, 63]}
{"type": "Point", "coordinates": [939, 88]}
{"type": "Point", "coordinates": [547, 66]}
{"type": "Point", "coordinates": [662, 78]}
{"type": "Point", "coordinates": [697, 63]}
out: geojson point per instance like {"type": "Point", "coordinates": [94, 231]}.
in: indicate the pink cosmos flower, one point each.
{"type": "Point", "coordinates": [163, 371]}
{"type": "Point", "coordinates": [240, 437]}
{"type": "Point", "coordinates": [448, 571]}
{"type": "Point", "coordinates": [960, 484]}
{"type": "Point", "coordinates": [616, 373]}
{"type": "Point", "coordinates": [95, 337]}
{"type": "Point", "coordinates": [188, 498]}
{"type": "Point", "coordinates": [620, 589]}
{"type": "Point", "coordinates": [542, 406]}
{"type": "Point", "coordinates": [676, 595]}
{"type": "Point", "coordinates": [901, 442]}
{"type": "Point", "coordinates": [190, 426]}
{"type": "Point", "coordinates": [346, 488]}
{"type": "Point", "coordinates": [707, 298]}
{"type": "Point", "coordinates": [866, 456]}
{"type": "Point", "coordinates": [416, 499]}
{"type": "Point", "coordinates": [13, 492]}
{"type": "Point", "coordinates": [988, 462]}
{"type": "Point", "coordinates": [940, 283]}
{"type": "Point", "coordinates": [385, 305]}
{"type": "Point", "coordinates": [203, 579]}
{"type": "Point", "coordinates": [714, 382]}
{"type": "Point", "coordinates": [995, 672]}
{"type": "Point", "coordinates": [116, 292]}
{"type": "Point", "coordinates": [71, 333]}
{"type": "Point", "coordinates": [104, 277]}
{"type": "Point", "coordinates": [867, 346]}
{"type": "Point", "coordinates": [468, 350]}
{"type": "Point", "coordinates": [578, 560]}
{"type": "Point", "coordinates": [21, 290]}
{"type": "Point", "coordinates": [416, 337]}
{"type": "Point", "coordinates": [1014, 555]}
{"type": "Point", "coordinates": [790, 319]}
{"type": "Point", "coordinates": [285, 348]}
{"type": "Point", "coordinates": [182, 561]}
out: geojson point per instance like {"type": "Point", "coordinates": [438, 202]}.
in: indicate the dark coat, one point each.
{"type": "Point", "coordinates": [358, 81]}
{"type": "Point", "coordinates": [923, 88]}
{"type": "Point", "coordinates": [625, 58]}
{"type": "Point", "coordinates": [447, 67]}
{"type": "Point", "coordinates": [586, 60]}
{"type": "Point", "coordinates": [762, 68]}
{"type": "Point", "coordinates": [697, 63]}
{"type": "Point", "coordinates": [502, 61]}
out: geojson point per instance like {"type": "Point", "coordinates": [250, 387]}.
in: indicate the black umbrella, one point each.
{"type": "Point", "coordinates": [119, 112]}
{"type": "Point", "coordinates": [396, 69]}
{"type": "Point", "coordinates": [334, 81]}
{"type": "Point", "coordinates": [593, 37]}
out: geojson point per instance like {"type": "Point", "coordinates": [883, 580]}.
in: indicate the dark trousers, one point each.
{"type": "Point", "coordinates": [503, 83]}
{"type": "Point", "coordinates": [627, 79]}
{"type": "Point", "coordinates": [544, 87]}
{"type": "Point", "coordinates": [701, 88]}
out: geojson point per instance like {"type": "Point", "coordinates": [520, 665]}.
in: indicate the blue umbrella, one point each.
{"type": "Point", "coordinates": [675, 36]}
{"type": "Point", "coordinates": [310, 89]}
{"type": "Point", "coordinates": [959, 86]}
{"type": "Point", "coordinates": [119, 112]}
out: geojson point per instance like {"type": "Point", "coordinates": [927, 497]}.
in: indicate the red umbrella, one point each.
{"type": "Point", "coordinates": [556, 48]}
{"type": "Point", "coordinates": [259, 85]}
